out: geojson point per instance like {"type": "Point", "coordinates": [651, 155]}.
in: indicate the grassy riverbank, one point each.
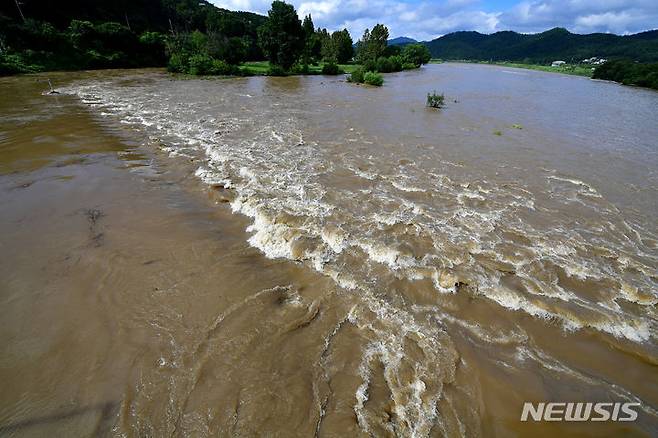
{"type": "Point", "coordinates": [260, 68]}
{"type": "Point", "coordinates": [568, 69]}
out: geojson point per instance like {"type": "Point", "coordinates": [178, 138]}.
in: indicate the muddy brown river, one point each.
{"type": "Point", "coordinates": [305, 257]}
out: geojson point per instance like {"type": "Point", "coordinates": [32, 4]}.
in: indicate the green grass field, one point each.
{"type": "Point", "coordinates": [261, 67]}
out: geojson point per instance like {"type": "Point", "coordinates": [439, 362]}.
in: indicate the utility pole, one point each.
{"type": "Point", "coordinates": [20, 11]}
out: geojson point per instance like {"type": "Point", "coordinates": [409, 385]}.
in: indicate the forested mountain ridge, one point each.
{"type": "Point", "coordinates": [554, 44]}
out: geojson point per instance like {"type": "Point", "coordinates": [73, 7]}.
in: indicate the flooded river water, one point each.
{"type": "Point", "coordinates": [302, 256]}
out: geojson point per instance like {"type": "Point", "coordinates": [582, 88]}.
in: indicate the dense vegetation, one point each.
{"type": "Point", "coordinates": [81, 34]}
{"type": "Point", "coordinates": [542, 48]}
{"type": "Point", "coordinates": [33, 45]}
{"type": "Point", "coordinates": [629, 73]}
{"type": "Point", "coordinates": [189, 36]}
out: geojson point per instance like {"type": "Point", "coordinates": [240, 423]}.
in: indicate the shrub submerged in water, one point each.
{"type": "Point", "coordinates": [435, 100]}
{"type": "Point", "coordinates": [276, 70]}
{"type": "Point", "coordinates": [200, 65]}
{"type": "Point", "coordinates": [220, 67]}
{"type": "Point", "coordinates": [331, 68]}
{"type": "Point", "coordinates": [372, 78]}
{"type": "Point", "coordinates": [356, 76]}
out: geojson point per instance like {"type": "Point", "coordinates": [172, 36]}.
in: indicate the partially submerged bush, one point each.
{"type": "Point", "coordinates": [200, 64]}
{"type": "Point", "coordinates": [220, 67]}
{"type": "Point", "coordinates": [13, 64]}
{"type": "Point", "coordinates": [388, 65]}
{"type": "Point", "coordinates": [300, 69]}
{"type": "Point", "coordinates": [396, 63]}
{"type": "Point", "coordinates": [276, 70]}
{"type": "Point", "coordinates": [369, 65]}
{"type": "Point", "coordinates": [331, 69]}
{"type": "Point", "coordinates": [383, 65]}
{"type": "Point", "coordinates": [435, 100]}
{"type": "Point", "coordinates": [372, 78]}
{"type": "Point", "coordinates": [177, 63]}
{"type": "Point", "coordinates": [356, 76]}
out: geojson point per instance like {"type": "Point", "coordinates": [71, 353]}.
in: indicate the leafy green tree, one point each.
{"type": "Point", "coordinates": [124, 33]}
{"type": "Point", "coordinates": [236, 51]}
{"type": "Point", "coordinates": [328, 51]}
{"type": "Point", "coordinates": [394, 50]}
{"type": "Point", "coordinates": [307, 25]}
{"type": "Point", "coordinates": [372, 44]}
{"type": "Point", "coordinates": [310, 40]}
{"type": "Point", "coordinates": [233, 50]}
{"type": "Point", "coordinates": [416, 54]}
{"type": "Point", "coordinates": [282, 36]}
{"type": "Point", "coordinates": [628, 73]}
{"type": "Point", "coordinates": [343, 46]}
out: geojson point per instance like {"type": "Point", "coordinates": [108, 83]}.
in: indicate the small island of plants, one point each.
{"type": "Point", "coordinates": [435, 100]}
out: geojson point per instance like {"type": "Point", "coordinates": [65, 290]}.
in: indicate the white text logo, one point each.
{"type": "Point", "coordinates": [580, 411]}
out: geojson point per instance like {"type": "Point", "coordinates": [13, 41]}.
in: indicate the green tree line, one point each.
{"type": "Point", "coordinates": [629, 73]}
{"type": "Point", "coordinates": [187, 36]}
{"type": "Point", "coordinates": [82, 34]}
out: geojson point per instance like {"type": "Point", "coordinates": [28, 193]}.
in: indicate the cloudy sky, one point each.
{"type": "Point", "coordinates": [425, 20]}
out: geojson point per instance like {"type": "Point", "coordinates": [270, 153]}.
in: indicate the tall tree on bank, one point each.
{"type": "Point", "coordinates": [282, 36]}
{"type": "Point", "coordinates": [337, 47]}
{"type": "Point", "coordinates": [416, 54]}
{"type": "Point", "coordinates": [312, 43]}
{"type": "Point", "coordinates": [308, 26]}
{"type": "Point", "coordinates": [372, 44]}
{"type": "Point", "coordinates": [344, 46]}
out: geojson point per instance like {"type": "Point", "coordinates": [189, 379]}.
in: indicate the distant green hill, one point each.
{"type": "Point", "coordinates": [554, 44]}
{"type": "Point", "coordinates": [400, 41]}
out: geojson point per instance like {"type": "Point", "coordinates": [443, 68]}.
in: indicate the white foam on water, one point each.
{"type": "Point", "coordinates": [406, 188]}
{"type": "Point", "coordinates": [335, 238]}
{"type": "Point", "coordinates": [274, 173]}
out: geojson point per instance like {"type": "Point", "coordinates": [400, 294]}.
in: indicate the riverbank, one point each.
{"type": "Point", "coordinates": [568, 69]}
{"type": "Point", "coordinates": [252, 68]}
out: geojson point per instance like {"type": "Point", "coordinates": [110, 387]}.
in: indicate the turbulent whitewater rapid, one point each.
{"type": "Point", "coordinates": [467, 258]}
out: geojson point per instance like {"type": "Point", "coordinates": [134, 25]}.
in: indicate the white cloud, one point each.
{"type": "Point", "coordinates": [608, 20]}
{"type": "Point", "coordinates": [582, 16]}
{"type": "Point", "coordinates": [426, 20]}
